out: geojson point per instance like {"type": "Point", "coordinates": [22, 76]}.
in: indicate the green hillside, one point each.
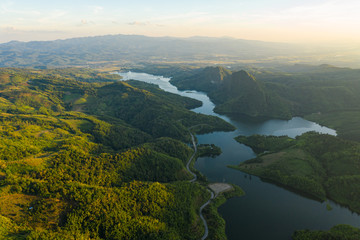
{"type": "Point", "coordinates": [85, 157]}
{"type": "Point", "coordinates": [322, 166]}
{"type": "Point", "coordinates": [236, 92]}
{"type": "Point", "coordinates": [207, 80]}
{"type": "Point", "coordinates": [325, 94]}
{"type": "Point", "coordinates": [338, 232]}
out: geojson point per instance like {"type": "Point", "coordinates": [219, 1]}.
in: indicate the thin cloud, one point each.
{"type": "Point", "coordinates": [138, 23]}
{"type": "Point", "coordinates": [6, 8]}
{"type": "Point", "coordinates": [97, 9]}
{"type": "Point", "coordinates": [53, 16]}
{"type": "Point", "coordinates": [12, 29]}
{"type": "Point", "coordinates": [85, 22]}
{"type": "Point", "coordinates": [329, 12]}
{"type": "Point", "coordinates": [8, 29]}
{"type": "Point", "coordinates": [185, 16]}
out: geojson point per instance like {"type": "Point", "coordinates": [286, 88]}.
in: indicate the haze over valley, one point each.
{"type": "Point", "coordinates": [180, 120]}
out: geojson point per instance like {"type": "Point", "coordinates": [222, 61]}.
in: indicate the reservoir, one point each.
{"type": "Point", "coordinates": [267, 211]}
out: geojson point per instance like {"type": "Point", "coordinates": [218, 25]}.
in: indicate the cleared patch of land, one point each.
{"type": "Point", "coordinates": [220, 187]}
{"type": "Point", "coordinates": [13, 205]}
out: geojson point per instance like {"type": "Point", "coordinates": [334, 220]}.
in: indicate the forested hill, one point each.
{"type": "Point", "coordinates": [300, 91]}
{"type": "Point", "coordinates": [321, 165]}
{"type": "Point", "coordinates": [83, 156]}
{"type": "Point", "coordinates": [236, 92]}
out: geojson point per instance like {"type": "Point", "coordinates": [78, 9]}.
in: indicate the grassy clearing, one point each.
{"type": "Point", "coordinates": [290, 161]}
{"type": "Point", "coordinates": [82, 124]}
{"type": "Point", "coordinates": [71, 97]}
{"type": "Point", "coordinates": [13, 206]}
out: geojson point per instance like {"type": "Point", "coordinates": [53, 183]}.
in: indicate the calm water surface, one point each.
{"type": "Point", "coordinates": [267, 211]}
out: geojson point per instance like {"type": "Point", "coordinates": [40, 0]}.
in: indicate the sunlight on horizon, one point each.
{"type": "Point", "coordinates": [307, 21]}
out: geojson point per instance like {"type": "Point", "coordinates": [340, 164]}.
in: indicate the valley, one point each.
{"type": "Point", "coordinates": [71, 136]}
{"type": "Point", "coordinates": [179, 120]}
{"type": "Point", "coordinates": [260, 196]}
{"type": "Point", "coordinates": [65, 146]}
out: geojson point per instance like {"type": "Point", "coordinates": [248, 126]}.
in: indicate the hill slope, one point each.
{"type": "Point", "coordinates": [323, 166]}
{"type": "Point", "coordinates": [303, 91]}
{"type": "Point", "coordinates": [236, 93]}
{"type": "Point", "coordinates": [78, 159]}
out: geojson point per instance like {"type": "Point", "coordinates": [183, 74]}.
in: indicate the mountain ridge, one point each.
{"type": "Point", "coordinates": [131, 48]}
{"type": "Point", "coordinates": [236, 92]}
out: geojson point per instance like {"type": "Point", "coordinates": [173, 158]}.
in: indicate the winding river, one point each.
{"type": "Point", "coordinates": [267, 211]}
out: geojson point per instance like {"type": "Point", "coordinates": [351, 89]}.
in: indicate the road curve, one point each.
{"type": "Point", "coordinates": [191, 158]}
{"type": "Point", "coordinates": [206, 233]}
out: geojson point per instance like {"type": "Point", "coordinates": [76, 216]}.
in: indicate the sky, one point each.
{"type": "Point", "coordinates": [298, 21]}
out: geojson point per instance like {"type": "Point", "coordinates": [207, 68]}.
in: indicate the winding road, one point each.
{"type": "Point", "coordinates": [191, 158]}
{"type": "Point", "coordinates": [206, 233]}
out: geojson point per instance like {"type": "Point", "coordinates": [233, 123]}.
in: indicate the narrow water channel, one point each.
{"type": "Point", "coordinates": [267, 211]}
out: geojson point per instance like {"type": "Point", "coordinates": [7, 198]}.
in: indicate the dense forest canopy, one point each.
{"type": "Point", "coordinates": [326, 94]}
{"type": "Point", "coordinates": [71, 136]}
{"type": "Point", "coordinates": [321, 165]}
{"type": "Point", "coordinates": [83, 156]}
{"type": "Point", "coordinates": [318, 166]}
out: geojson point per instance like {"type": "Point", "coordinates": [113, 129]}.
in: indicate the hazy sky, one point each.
{"type": "Point", "coordinates": [267, 20]}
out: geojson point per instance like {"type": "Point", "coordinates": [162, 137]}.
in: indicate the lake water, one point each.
{"type": "Point", "coordinates": [267, 211]}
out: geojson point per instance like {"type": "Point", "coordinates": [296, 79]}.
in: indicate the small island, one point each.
{"type": "Point", "coordinates": [208, 150]}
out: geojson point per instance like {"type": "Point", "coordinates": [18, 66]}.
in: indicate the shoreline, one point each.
{"type": "Point", "coordinates": [220, 192]}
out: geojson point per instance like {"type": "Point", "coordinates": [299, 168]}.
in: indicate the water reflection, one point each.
{"type": "Point", "coordinates": [266, 211]}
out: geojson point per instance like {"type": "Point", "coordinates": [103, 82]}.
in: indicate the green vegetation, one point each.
{"type": "Point", "coordinates": [317, 166]}
{"type": "Point", "coordinates": [346, 123]}
{"type": "Point", "coordinates": [168, 70]}
{"type": "Point", "coordinates": [215, 222]}
{"type": "Point", "coordinates": [260, 143]}
{"type": "Point", "coordinates": [300, 91]}
{"type": "Point", "coordinates": [242, 93]}
{"type": "Point", "coordinates": [328, 207]}
{"type": "Point", "coordinates": [208, 150]}
{"type": "Point", "coordinates": [338, 232]}
{"type": "Point", "coordinates": [323, 166]}
{"type": "Point", "coordinates": [236, 92]}
{"type": "Point", "coordinates": [206, 80]}
{"type": "Point", "coordinates": [84, 157]}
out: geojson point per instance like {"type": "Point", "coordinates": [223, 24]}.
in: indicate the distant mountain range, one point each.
{"type": "Point", "coordinates": [134, 48]}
